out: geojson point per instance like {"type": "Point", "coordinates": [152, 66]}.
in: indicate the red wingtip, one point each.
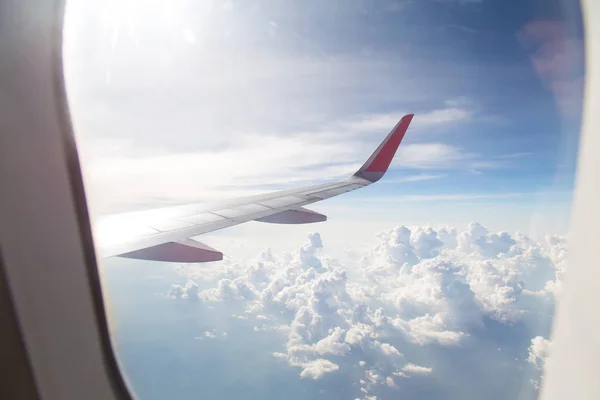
{"type": "Point", "coordinates": [384, 155]}
{"type": "Point", "coordinates": [374, 168]}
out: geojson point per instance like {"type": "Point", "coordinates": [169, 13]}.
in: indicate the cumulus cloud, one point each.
{"type": "Point", "coordinates": [417, 369]}
{"type": "Point", "coordinates": [441, 288]}
{"type": "Point", "coordinates": [189, 291]}
{"type": "Point", "coordinates": [538, 351]}
{"type": "Point", "coordinates": [558, 256]}
{"type": "Point", "coordinates": [209, 335]}
{"type": "Point", "coordinates": [315, 369]}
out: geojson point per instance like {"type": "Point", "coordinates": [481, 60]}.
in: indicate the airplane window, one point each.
{"type": "Point", "coordinates": [438, 280]}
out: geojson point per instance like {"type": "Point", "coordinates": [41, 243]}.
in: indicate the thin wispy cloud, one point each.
{"type": "Point", "coordinates": [453, 111]}
{"type": "Point", "coordinates": [453, 197]}
{"type": "Point", "coordinates": [514, 155]}
{"type": "Point", "coordinates": [413, 178]}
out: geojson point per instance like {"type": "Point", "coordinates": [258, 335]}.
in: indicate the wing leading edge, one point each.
{"type": "Point", "coordinates": [164, 234]}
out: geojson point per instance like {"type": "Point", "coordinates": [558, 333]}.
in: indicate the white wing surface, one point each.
{"type": "Point", "coordinates": [164, 234]}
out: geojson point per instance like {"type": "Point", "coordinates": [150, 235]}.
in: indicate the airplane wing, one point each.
{"type": "Point", "coordinates": [165, 234]}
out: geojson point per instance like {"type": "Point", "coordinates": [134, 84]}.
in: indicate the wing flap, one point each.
{"type": "Point", "coordinates": [186, 251]}
{"type": "Point", "coordinates": [298, 215]}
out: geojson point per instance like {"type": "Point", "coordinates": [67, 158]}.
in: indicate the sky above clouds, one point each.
{"type": "Point", "coordinates": [184, 101]}
{"type": "Point", "coordinates": [399, 292]}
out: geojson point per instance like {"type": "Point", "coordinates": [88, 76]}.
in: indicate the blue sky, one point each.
{"type": "Point", "coordinates": [178, 101]}
{"type": "Point", "coordinates": [246, 97]}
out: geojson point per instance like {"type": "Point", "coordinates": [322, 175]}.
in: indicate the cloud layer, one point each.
{"type": "Point", "coordinates": [420, 301]}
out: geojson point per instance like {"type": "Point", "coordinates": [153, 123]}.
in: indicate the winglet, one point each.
{"type": "Point", "coordinates": [376, 165]}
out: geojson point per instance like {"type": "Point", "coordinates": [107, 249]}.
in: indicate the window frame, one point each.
{"type": "Point", "coordinates": [46, 237]}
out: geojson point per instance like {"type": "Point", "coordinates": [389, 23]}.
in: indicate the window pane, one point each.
{"type": "Point", "coordinates": [438, 281]}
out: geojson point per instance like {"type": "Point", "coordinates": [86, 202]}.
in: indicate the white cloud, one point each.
{"type": "Point", "coordinates": [189, 291]}
{"type": "Point", "coordinates": [209, 335]}
{"type": "Point", "coordinates": [558, 256]}
{"type": "Point", "coordinates": [333, 344]}
{"type": "Point", "coordinates": [432, 329]}
{"type": "Point", "coordinates": [446, 156]}
{"type": "Point", "coordinates": [444, 116]}
{"type": "Point", "coordinates": [514, 155]}
{"type": "Point", "coordinates": [315, 369]}
{"type": "Point", "coordinates": [453, 111]}
{"type": "Point", "coordinates": [428, 155]}
{"type": "Point", "coordinates": [420, 286]}
{"type": "Point", "coordinates": [454, 197]}
{"type": "Point", "coordinates": [538, 351]}
{"type": "Point", "coordinates": [417, 369]}
{"type": "Point", "coordinates": [414, 178]}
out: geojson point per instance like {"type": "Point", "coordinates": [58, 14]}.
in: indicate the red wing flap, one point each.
{"type": "Point", "coordinates": [185, 251]}
{"type": "Point", "coordinates": [299, 215]}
